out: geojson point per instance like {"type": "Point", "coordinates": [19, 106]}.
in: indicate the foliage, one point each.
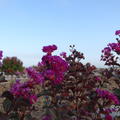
{"type": "Point", "coordinates": [12, 65]}
{"type": "Point", "coordinates": [111, 53]}
{"type": "Point", "coordinates": [71, 89]}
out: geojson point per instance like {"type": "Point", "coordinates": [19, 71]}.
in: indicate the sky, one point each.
{"type": "Point", "coordinates": [28, 25]}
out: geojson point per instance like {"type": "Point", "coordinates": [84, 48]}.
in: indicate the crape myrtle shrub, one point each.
{"type": "Point", "coordinates": [110, 55]}
{"type": "Point", "coordinates": [21, 96]}
{"type": "Point", "coordinates": [72, 91]}
{"type": "Point", "coordinates": [82, 90]}
{"type": "Point", "coordinates": [12, 65]}
{"type": "Point", "coordinates": [111, 52]}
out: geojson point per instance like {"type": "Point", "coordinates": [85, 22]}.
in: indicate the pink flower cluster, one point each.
{"type": "Point", "coordinates": [107, 51]}
{"type": "Point", "coordinates": [108, 117]}
{"type": "Point", "coordinates": [97, 78]}
{"type": "Point", "coordinates": [55, 67]}
{"type": "Point", "coordinates": [117, 32]}
{"type": "Point", "coordinates": [49, 49]}
{"type": "Point", "coordinates": [115, 47]}
{"type": "Point", "coordinates": [63, 54]}
{"type": "Point", "coordinates": [1, 54]}
{"type": "Point", "coordinates": [47, 117]}
{"type": "Point", "coordinates": [108, 95]}
{"type": "Point", "coordinates": [108, 55]}
{"type": "Point", "coordinates": [23, 89]}
{"type": "Point", "coordinates": [111, 47]}
{"type": "Point", "coordinates": [36, 77]}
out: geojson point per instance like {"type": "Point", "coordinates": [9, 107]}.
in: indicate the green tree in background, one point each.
{"type": "Point", "coordinates": [12, 65]}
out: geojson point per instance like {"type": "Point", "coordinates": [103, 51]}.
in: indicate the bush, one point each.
{"type": "Point", "coordinates": [71, 89]}
{"type": "Point", "coordinates": [12, 65]}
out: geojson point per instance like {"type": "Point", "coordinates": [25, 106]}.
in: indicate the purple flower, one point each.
{"type": "Point", "coordinates": [108, 117]}
{"type": "Point", "coordinates": [117, 32]}
{"type": "Point", "coordinates": [58, 64]}
{"type": "Point", "coordinates": [63, 54]}
{"type": "Point", "coordinates": [17, 81]}
{"type": "Point", "coordinates": [35, 75]}
{"type": "Point", "coordinates": [49, 74]}
{"type": "Point", "coordinates": [1, 54]}
{"type": "Point", "coordinates": [33, 99]}
{"type": "Point", "coordinates": [106, 50]}
{"type": "Point", "coordinates": [23, 89]}
{"type": "Point", "coordinates": [17, 73]}
{"type": "Point", "coordinates": [49, 49]}
{"type": "Point", "coordinates": [55, 68]}
{"type": "Point", "coordinates": [40, 64]}
{"type": "Point", "coordinates": [47, 117]}
{"type": "Point", "coordinates": [112, 45]}
{"type": "Point", "coordinates": [47, 59]}
{"type": "Point", "coordinates": [115, 47]}
{"type": "Point", "coordinates": [98, 78]}
{"type": "Point", "coordinates": [59, 78]}
{"type": "Point", "coordinates": [108, 95]}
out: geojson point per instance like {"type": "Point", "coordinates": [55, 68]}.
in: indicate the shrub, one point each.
{"type": "Point", "coordinates": [71, 89]}
{"type": "Point", "coordinates": [12, 65]}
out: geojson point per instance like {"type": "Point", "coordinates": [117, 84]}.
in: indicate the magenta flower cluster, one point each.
{"type": "Point", "coordinates": [115, 47]}
{"type": "Point", "coordinates": [63, 54]}
{"type": "Point", "coordinates": [23, 89]}
{"type": "Point", "coordinates": [108, 56]}
{"type": "Point", "coordinates": [49, 49]}
{"type": "Point", "coordinates": [108, 117]}
{"type": "Point", "coordinates": [107, 95]}
{"type": "Point", "coordinates": [106, 51]}
{"type": "Point", "coordinates": [47, 117]}
{"type": "Point", "coordinates": [1, 54]}
{"type": "Point", "coordinates": [55, 66]}
{"type": "Point", "coordinates": [36, 77]}
{"type": "Point", "coordinates": [111, 47]}
{"type": "Point", "coordinates": [117, 32]}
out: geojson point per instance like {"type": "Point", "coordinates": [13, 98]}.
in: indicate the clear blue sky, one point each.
{"type": "Point", "coordinates": [27, 25]}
